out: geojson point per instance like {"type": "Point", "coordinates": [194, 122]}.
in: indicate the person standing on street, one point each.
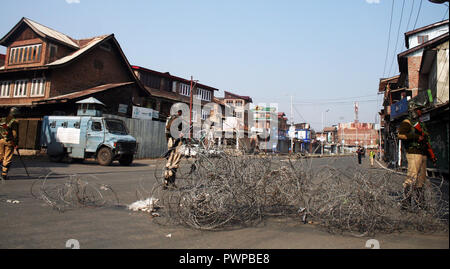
{"type": "Point", "coordinates": [173, 154]}
{"type": "Point", "coordinates": [415, 137]}
{"type": "Point", "coordinates": [8, 140]}
{"type": "Point", "coordinates": [359, 151]}
{"type": "Point", "coordinates": [372, 157]}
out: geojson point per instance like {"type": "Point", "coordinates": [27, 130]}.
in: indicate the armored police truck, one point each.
{"type": "Point", "coordinates": [87, 135]}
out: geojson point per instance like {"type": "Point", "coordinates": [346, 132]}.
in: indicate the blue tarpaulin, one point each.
{"type": "Point", "coordinates": [399, 109]}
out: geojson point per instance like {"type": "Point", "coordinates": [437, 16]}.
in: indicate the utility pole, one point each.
{"type": "Point", "coordinates": [292, 124]}
{"type": "Point", "coordinates": [190, 108]}
{"type": "Point", "coordinates": [191, 93]}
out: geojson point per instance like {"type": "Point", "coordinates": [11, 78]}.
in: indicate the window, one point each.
{"type": "Point", "coordinates": [26, 54]}
{"type": "Point", "coordinates": [96, 126]}
{"type": "Point", "coordinates": [194, 116]}
{"type": "Point", "coordinates": [203, 95]}
{"type": "Point", "coordinates": [38, 87]}
{"type": "Point", "coordinates": [422, 39]}
{"type": "Point", "coordinates": [238, 103]}
{"type": "Point", "coordinates": [20, 88]}
{"type": "Point", "coordinates": [205, 114]}
{"type": "Point", "coordinates": [239, 115]}
{"type": "Point", "coordinates": [174, 86]}
{"type": "Point", "coordinates": [5, 87]}
{"type": "Point", "coordinates": [53, 50]}
{"type": "Point", "coordinates": [185, 89]}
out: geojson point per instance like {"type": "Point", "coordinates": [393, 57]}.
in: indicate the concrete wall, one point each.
{"type": "Point", "coordinates": [432, 33]}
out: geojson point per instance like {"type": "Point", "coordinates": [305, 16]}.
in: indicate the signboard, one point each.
{"type": "Point", "coordinates": [303, 134]}
{"type": "Point", "coordinates": [68, 135]}
{"type": "Point", "coordinates": [400, 108]}
{"type": "Point", "coordinates": [142, 113]}
{"type": "Point", "coordinates": [425, 117]}
{"type": "Point", "coordinates": [123, 108]}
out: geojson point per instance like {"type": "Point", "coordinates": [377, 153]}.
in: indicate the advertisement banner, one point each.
{"type": "Point", "coordinates": [142, 113]}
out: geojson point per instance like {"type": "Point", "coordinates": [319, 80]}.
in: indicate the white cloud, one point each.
{"type": "Point", "coordinates": [72, 1]}
{"type": "Point", "coordinates": [367, 1]}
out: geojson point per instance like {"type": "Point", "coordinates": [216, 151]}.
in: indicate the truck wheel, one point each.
{"type": "Point", "coordinates": [126, 159]}
{"type": "Point", "coordinates": [56, 158]}
{"type": "Point", "coordinates": [105, 156]}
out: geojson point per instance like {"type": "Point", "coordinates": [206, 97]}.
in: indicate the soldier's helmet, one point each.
{"type": "Point", "coordinates": [14, 111]}
{"type": "Point", "coordinates": [413, 107]}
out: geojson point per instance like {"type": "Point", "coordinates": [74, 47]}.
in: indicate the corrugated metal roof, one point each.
{"type": "Point", "coordinates": [44, 30]}
{"type": "Point", "coordinates": [82, 93]}
{"type": "Point", "coordinates": [168, 75]}
{"type": "Point", "coordinates": [77, 53]}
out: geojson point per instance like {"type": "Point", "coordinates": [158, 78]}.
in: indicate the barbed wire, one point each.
{"type": "Point", "coordinates": [73, 192]}
{"type": "Point", "coordinates": [229, 191]}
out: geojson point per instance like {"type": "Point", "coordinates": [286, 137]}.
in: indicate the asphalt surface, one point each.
{"type": "Point", "coordinates": [33, 224]}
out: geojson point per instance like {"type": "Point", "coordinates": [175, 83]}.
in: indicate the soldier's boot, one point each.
{"type": "Point", "coordinates": [4, 173]}
{"type": "Point", "coordinates": [172, 178]}
{"type": "Point", "coordinates": [407, 197]}
{"type": "Point", "coordinates": [169, 178]}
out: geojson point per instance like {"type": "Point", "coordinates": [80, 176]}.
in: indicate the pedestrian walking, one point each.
{"type": "Point", "coordinates": [372, 157]}
{"type": "Point", "coordinates": [415, 136]}
{"type": "Point", "coordinates": [8, 140]}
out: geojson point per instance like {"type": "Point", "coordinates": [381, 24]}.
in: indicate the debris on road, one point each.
{"type": "Point", "coordinates": [148, 205]}
{"type": "Point", "coordinates": [13, 201]}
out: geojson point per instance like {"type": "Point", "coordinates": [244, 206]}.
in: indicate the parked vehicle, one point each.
{"type": "Point", "coordinates": [80, 137]}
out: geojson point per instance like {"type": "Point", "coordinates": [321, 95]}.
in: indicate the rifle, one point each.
{"type": "Point", "coordinates": [418, 127]}
{"type": "Point", "coordinates": [20, 158]}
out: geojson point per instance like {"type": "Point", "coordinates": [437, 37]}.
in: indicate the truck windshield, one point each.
{"type": "Point", "coordinates": [116, 127]}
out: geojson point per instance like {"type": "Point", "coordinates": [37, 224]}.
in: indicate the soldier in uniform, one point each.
{"type": "Point", "coordinates": [173, 154]}
{"type": "Point", "coordinates": [8, 140]}
{"type": "Point", "coordinates": [416, 154]}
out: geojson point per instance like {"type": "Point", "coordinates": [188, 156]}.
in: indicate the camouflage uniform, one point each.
{"type": "Point", "coordinates": [416, 155]}
{"type": "Point", "coordinates": [8, 141]}
{"type": "Point", "coordinates": [173, 155]}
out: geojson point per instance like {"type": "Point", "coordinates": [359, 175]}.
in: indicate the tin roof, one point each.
{"type": "Point", "coordinates": [46, 31]}
{"type": "Point", "coordinates": [82, 93]}
{"type": "Point", "coordinates": [236, 96]}
{"type": "Point", "coordinates": [42, 31]}
{"type": "Point", "coordinates": [168, 75]}
{"type": "Point", "coordinates": [94, 41]}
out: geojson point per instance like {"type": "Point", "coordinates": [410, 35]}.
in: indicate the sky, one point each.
{"type": "Point", "coordinates": [322, 55]}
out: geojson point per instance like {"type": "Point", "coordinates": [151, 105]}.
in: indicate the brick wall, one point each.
{"type": "Point", "coordinates": [413, 73]}
{"type": "Point", "coordinates": [95, 68]}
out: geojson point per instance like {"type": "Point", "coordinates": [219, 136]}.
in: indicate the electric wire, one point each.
{"type": "Point", "coordinates": [389, 38]}
{"type": "Point", "coordinates": [396, 41]}
{"type": "Point", "coordinates": [418, 13]}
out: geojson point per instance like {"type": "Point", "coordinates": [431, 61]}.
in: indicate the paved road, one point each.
{"type": "Point", "coordinates": [33, 224]}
